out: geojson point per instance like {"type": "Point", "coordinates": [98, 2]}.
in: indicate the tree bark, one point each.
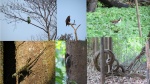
{"type": "Point", "coordinates": [113, 3]}
{"type": "Point", "coordinates": [78, 69]}
{"type": "Point", "coordinates": [148, 61]}
{"type": "Point", "coordinates": [96, 44]}
{"type": "Point", "coordinates": [91, 5]}
{"type": "Point", "coordinates": [43, 72]}
{"type": "Point", "coordinates": [106, 43]}
{"type": "Point", "coordinates": [102, 61]}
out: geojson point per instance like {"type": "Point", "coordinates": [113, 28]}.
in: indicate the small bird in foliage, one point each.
{"type": "Point", "coordinates": [28, 20]}
{"type": "Point", "coordinates": [68, 20]}
{"type": "Point", "coordinates": [116, 21]}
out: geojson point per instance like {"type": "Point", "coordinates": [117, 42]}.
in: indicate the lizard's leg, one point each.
{"type": "Point", "coordinates": [29, 70]}
{"type": "Point", "coordinates": [28, 60]}
{"type": "Point", "coordinates": [19, 75]}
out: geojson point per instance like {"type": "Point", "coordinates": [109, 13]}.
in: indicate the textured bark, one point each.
{"type": "Point", "coordinates": [43, 72]}
{"type": "Point", "coordinates": [1, 62]}
{"type": "Point", "coordinates": [106, 43]}
{"type": "Point", "coordinates": [96, 44]}
{"type": "Point", "coordinates": [78, 52]}
{"type": "Point", "coordinates": [91, 5]}
{"type": "Point", "coordinates": [148, 61]}
{"type": "Point", "coordinates": [102, 61]}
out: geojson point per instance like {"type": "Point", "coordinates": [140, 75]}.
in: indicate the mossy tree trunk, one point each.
{"type": "Point", "coordinates": [43, 72]}
{"type": "Point", "coordinates": [78, 69]}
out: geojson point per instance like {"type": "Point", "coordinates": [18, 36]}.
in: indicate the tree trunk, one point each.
{"type": "Point", "coordinates": [148, 61]}
{"type": "Point", "coordinates": [48, 35]}
{"type": "Point", "coordinates": [108, 45]}
{"type": "Point", "coordinates": [1, 62]}
{"type": "Point", "coordinates": [96, 44]}
{"type": "Point", "coordinates": [43, 72]}
{"type": "Point", "coordinates": [113, 3]}
{"type": "Point", "coordinates": [78, 69]}
{"type": "Point", "coordinates": [91, 5]}
{"type": "Point", "coordinates": [102, 61]}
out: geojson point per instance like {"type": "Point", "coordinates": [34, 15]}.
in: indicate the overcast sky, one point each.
{"type": "Point", "coordinates": [23, 31]}
{"type": "Point", "coordinates": [77, 10]}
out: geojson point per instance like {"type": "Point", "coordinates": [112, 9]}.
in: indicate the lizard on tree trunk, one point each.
{"type": "Point", "coordinates": [25, 70]}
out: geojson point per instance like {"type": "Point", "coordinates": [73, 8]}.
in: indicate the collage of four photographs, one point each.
{"type": "Point", "coordinates": [74, 42]}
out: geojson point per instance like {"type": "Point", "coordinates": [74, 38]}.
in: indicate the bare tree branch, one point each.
{"type": "Point", "coordinates": [41, 11]}
{"type": "Point", "coordinates": [75, 31]}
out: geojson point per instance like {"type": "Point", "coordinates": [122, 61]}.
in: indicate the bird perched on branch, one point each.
{"type": "Point", "coordinates": [116, 21]}
{"type": "Point", "coordinates": [68, 20]}
{"type": "Point", "coordinates": [28, 20]}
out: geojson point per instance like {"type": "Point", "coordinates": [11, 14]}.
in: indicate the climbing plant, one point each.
{"type": "Point", "coordinates": [60, 63]}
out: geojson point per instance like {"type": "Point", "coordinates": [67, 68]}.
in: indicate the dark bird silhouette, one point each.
{"type": "Point", "coordinates": [67, 61]}
{"type": "Point", "coordinates": [68, 20]}
{"type": "Point", "coordinates": [28, 20]}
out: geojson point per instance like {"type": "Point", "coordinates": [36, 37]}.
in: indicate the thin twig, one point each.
{"type": "Point", "coordinates": [138, 18]}
{"type": "Point", "coordinates": [75, 31]}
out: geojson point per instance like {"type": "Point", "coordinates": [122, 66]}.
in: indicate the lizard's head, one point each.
{"type": "Point", "coordinates": [14, 75]}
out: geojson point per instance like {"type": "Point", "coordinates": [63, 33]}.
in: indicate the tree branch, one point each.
{"type": "Point", "coordinates": [138, 17]}
{"type": "Point", "coordinates": [41, 11]}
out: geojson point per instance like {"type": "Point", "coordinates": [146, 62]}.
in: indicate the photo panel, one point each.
{"type": "Point", "coordinates": [117, 18]}
{"type": "Point", "coordinates": [71, 62]}
{"type": "Point", "coordinates": [71, 22]}
{"type": "Point", "coordinates": [117, 60]}
{"type": "Point", "coordinates": [28, 62]}
{"type": "Point", "coordinates": [117, 42]}
{"type": "Point", "coordinates": [28, 20]}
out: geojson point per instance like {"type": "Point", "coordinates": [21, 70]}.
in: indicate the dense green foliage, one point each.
{"type": "Point", "coordinates": [98, 22]}
{"type": "Point", "coordinates": [60, 63]}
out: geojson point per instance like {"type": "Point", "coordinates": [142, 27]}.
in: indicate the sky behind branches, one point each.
{"type": "Point", "coordinates": [17, 31]}
{"type": "Point", "coordinates": [77, 11]}
{"type": "Point", "coordinates": [23, 31]}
